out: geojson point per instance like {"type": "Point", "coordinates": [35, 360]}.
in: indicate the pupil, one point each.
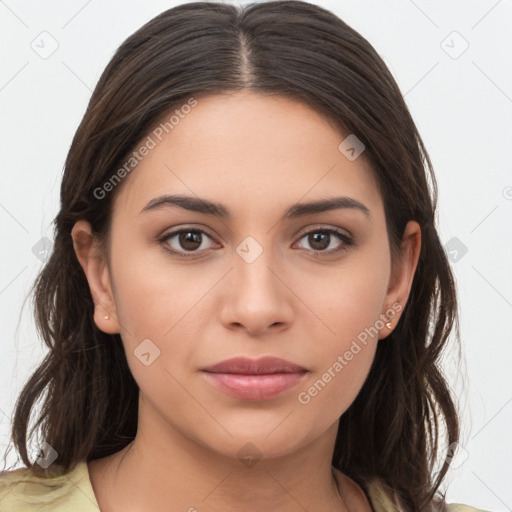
{"type": "Point", "coordinates": [319, 238]}
{"type": "Point", "coordinates": [190, 237]}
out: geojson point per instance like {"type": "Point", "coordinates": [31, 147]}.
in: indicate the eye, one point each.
{"type": "Point", "coordinates": [321, 239]}
{"type": "Point", "coordinates": [186, 240]}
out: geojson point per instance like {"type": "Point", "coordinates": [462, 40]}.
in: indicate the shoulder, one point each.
{"type": "Point", "coordinates": [30, 490]}
{"type": "Point", "coordinates": [457, 507]}
{"type": "Point", "coordinates": [382, 502]}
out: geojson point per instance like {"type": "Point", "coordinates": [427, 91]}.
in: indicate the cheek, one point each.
{"type": "Point", "coordinates": [331, 391]}
{"type": "Point", "coordinates": [350, 298]}
{"type": "Point", "coordinates": [159, 301]}
{"type": "Point", "coordinates": [151, 294]}
{"type": "Point", "coordinates": [341, 361]}
{"type": "Point", "coordinates": [349, 305]}
{"type": "Point", "coordinates": [155, 300]}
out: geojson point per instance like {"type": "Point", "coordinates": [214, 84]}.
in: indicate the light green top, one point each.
{"type": "Point", "coordinates": [22, 491]}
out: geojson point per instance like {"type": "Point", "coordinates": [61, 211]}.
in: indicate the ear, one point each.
{"type": "Point", "coordinates": [94, 264]}
{"type": "Point", "coordinates": [402, 276]}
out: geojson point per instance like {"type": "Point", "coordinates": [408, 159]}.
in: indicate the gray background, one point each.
{"type": "Point", "coordinates": [460, 98]}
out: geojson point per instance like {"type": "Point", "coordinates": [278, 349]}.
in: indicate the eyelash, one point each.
{"type": "Point", "coordinates": [347, 241]}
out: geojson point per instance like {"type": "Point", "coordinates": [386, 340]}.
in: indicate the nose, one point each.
{"type": "Point", "coordinates": [257, 298]}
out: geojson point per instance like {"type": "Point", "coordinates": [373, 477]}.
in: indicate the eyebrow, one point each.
{"type": "Point", "coordinates": [207, 207]}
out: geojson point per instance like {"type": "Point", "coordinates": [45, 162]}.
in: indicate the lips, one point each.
{"type": "Point", "coordinates": [254, 379]}
{"type": "Point", "coordinates": [246, 366]}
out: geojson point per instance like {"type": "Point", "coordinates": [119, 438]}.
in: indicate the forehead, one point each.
{"type": "Point", "coordinates": [251, 151]}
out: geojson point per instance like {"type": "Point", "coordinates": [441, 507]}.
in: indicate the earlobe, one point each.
{"type": "Point", "coordinates": [402, 277]}
{"type": "Point", "coordinates": [95, 267]}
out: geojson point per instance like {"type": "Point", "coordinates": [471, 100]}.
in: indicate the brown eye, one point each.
{"type": "Point", "coordinates": [320, 240]}
{"type": "Point", "coordinates": [185, 241]}
{"type": "Point", "coordinates": [189, 240]}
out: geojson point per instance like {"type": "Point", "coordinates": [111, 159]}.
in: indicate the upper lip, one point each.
{"type": "Point", "coordinates": [247, 366]}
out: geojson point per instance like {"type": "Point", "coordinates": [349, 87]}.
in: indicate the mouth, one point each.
{"type": "Point", "coordinates": [254, 379]}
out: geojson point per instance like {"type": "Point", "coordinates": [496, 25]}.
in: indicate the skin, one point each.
{"type": "Point", "coordinates": [257, 155]}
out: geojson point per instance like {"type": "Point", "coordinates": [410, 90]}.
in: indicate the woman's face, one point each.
{"type": "Point", "coordinates": [267, 278]}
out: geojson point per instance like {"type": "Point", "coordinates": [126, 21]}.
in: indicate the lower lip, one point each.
{"type": "Point", "coordinates": [254, 387]}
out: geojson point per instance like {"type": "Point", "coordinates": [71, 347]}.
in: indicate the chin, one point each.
{"type": "Point", "coordinates": [263, 440]}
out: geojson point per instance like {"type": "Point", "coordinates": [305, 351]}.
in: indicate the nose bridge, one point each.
{"type": "Point", "coordinates": [257, 298]}
{"type": "Point", "coordinates": [253, 267]}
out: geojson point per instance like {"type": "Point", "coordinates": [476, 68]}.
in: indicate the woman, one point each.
{"type": "Point", "coordinates": [247, 297]}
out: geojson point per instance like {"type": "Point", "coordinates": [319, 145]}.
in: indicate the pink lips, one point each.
{"type": "Point", "coordinates": [254, 379]}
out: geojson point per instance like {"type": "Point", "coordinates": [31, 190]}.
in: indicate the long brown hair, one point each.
{"type": "Point", "coordinates": [393, 430]}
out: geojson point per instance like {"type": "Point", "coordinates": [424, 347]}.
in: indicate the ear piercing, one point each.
{"type": "Point", "coordinates": [388, 324]}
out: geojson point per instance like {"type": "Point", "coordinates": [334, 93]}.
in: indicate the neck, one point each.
{"type": "Point", "coordinates": [184, 475]}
